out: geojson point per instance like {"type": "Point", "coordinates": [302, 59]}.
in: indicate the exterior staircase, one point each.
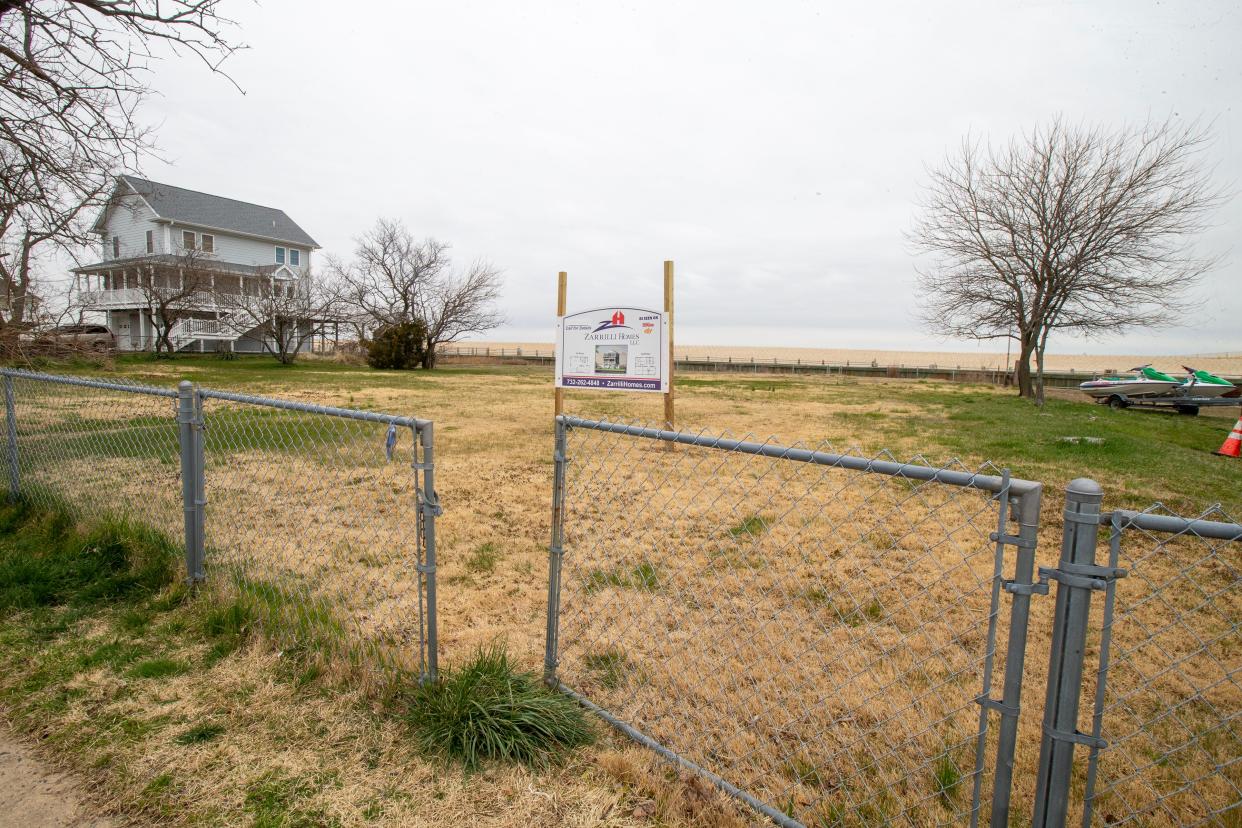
{"type": "Point", "coordinates": [187, 331]}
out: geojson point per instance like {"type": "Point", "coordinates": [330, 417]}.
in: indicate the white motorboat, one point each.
{"type": "Point", "coordinates": [1145, 382]}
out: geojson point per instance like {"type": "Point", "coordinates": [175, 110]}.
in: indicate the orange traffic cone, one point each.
{"type": "Point", "coordinates": [1232, 447]}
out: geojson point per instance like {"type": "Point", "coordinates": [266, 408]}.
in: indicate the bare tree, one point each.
{"type": "Point", "coordinates": [283, 315]}
{"type": "Point", "coordinates": [30, 232]}
{"type": "Point", "coordinates": [452, 306]}
{"type": "Point", "coordinates": [171, 291]}
{"type": "Point", "coordinates": [395, 279]}
{"type": "Point", "coordinates": [1066, 228]}
{"type": "Point", "coordinates": [72, 73]}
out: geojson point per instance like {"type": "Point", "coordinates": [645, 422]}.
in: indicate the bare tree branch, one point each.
{"type": "Point", "coordinates": [395, 279]}
{"type": "Point", "coordinates": [72, 75]}
{"type": "Point", "coordinates": [1065, 228]}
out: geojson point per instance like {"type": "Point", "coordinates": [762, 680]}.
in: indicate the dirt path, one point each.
{"type": "Point", "coordinates": [33, 795]}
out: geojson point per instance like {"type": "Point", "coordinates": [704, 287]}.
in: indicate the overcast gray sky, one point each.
{"type": "Point", "coordinates": [773, 150]}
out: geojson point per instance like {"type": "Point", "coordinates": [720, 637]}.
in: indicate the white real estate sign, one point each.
{"type": "Point", "coordinates": [614, 349]}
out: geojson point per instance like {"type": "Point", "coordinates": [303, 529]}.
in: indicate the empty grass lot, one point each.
{"type": "Point", "coordinates": [187, 717]}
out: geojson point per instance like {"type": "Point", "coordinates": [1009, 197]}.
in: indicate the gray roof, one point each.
{"type": "Point", "coordinates": [203, 210]}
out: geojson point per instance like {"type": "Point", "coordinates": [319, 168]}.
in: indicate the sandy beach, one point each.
{"type": "Point", "coordinates": [1229, 364]}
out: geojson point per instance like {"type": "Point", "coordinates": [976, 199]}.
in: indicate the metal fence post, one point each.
{"type": "Point", "coordinates": [10, 415]}
{"type": "Point", "coordinates": [189, 459]}
{"type": "Point", "coordinates": [431, 509]}
{"type": "Point", "coordinates": [556, 551]}
{"type": "Point", "coordinates": [199, 431]}
{"type": "Point", "coordinates": [1022, 587]}
{"type": "Point", "coordinates": [1076, 576]}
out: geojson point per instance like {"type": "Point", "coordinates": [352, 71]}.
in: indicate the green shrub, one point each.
{"type": "Point", "coordinates": [398, 347]}
{"type": "Point", "coordinates": [488, 709]}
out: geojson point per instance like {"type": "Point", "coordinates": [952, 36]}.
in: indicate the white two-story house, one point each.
{"type": "Point", "coordinates": [151, 231]}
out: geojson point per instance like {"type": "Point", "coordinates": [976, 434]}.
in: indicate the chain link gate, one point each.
{"type": "Point", "coordinates": [1165, 699]}
{"type": "Point", "coordinates": [814, 633]}
{"type": "Point", "coordinates": [306, 511]}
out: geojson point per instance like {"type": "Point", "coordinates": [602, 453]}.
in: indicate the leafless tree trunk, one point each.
{"type": "Point", "coordinates": [284, 315]}
{"type": "Point", "coordinates": [72, 73]}
{"type": "Point", "coordinates": [172, 290]}
{"type": "Point", "coordinates": [453, 306]}
{"type": "Point", "coordinates": [396, 279]}
{"type": "Point", "coordinates": [1067, 228]}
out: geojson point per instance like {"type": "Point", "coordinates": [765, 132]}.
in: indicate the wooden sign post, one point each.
{"type": "Point", "coordinates": [561, 278]}
{"type": "Point", "coordinates": [616, 348]}
{"type": "Point", "coordinates": [669, 415]}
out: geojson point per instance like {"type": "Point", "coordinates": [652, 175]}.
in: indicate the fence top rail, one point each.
{"type": "Point", "coordinates": [1173, 525]}
{"type": "Point", "coordinates": [310, 408]}
{"type": "Point", "coordinates": [84, 382]}
{"type": "Point", "coordinates": [891, 468]}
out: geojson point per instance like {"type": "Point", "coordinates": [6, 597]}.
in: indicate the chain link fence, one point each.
{"type": "Point", "coordinates": [834, 639]}
{"type": "Point", "coordinates": [322, 520]}
{"type": "Point", "coordinates": [827, 637]}
{"type": "Point", "coordinates": [1167, 696]}
{"type": "Point", "coordinates": [815, 632]}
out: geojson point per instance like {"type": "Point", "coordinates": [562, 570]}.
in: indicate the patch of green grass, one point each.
{"type": "Point", "coordinates": [483, 559]}
{"type": "Point", "coordinates": [134, 620]}
{"type": "Point", "coordinates": [48, 562]}
{"type": "Point", "coordinates": [611, 665]}
{"type": "Point", "coordinates": [854, 615]}
{"type": "Point", "coordinates": [292, 617]}
{"type": "Point", "coordinates": [489, 710]}
{"type": "Point", "coordinates": [172, 598]}
{"type": "Point", "coordinates": [155, 792]}
{"type": "Point", "coordinates": [199, 733]}
{"type": "Point", "coordinates": [115, 654]}
{"type": "Point", "coordinates": [227, 627]}
{"type": "Point", "coordinates": [274, 801]}
{"type": "Point", "coordinates": [157, 668]}
{"type": "Point", "coordinates": [803, 771]}
{"type": "Point", "coordinates": [643, 576]}
{"type": "Point", "coordinates": [750, 527]}
{"type": "Point", "coordinates": [946, 779]}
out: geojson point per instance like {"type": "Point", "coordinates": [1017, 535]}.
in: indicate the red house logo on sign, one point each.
{"type": "Point", "coordinates": [618, 318]}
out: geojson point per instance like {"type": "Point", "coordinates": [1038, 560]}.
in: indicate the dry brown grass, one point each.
{"type": "Point", "coordinates": [1230, 364]}
{"type": "Point", "coordinates": [762, 655]}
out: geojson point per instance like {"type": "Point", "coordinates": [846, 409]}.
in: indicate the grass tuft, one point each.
{"type": "Point", "coordinates": [156, 668]}
{"type": "Point", "coordinates": [611, 665]}
{"type": "Point", "coordinates": [199, 733]}
{"type": "Point", "coordinates": [483, 559]}
{"type": "Point", "coordinates": [644, 577]}
{"type": "Point", "coordinates": [489, 710]}
{"type": "Point", "coordinates": [51, 563]}
{"type": "Point", "coordinates": [227, 627]}
{"type": "Point", "coordinates": [947, 777]}
{"type": "Point", "coordinates": [751, 527]}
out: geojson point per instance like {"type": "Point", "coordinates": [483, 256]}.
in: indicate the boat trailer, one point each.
{"type": "Point", "coordinates": [1181, 403]}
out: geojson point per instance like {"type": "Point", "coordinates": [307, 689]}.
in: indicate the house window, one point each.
{"type": "Point", "coordinates": [280, 255]}
{"type": "Point", "coordinates": [209, 243]}
{"type": "Point", "coordinates": [295, 257]}
{"type": "Point", "coordinates": [116, 247]}
{"type": "Point", "coordinates": [150, 241]}
{"type": "Point", "coordinates": [187, 239]}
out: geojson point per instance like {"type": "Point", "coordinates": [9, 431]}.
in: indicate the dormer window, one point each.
{"type": "Point", "coordinates": [187, 240]}
{"type": "Point", "coordinates": [280, 255]}
{"type": "Point", "coordinates": [208, 243]}
{"type": "Point", "coordinates": [295, 257]}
